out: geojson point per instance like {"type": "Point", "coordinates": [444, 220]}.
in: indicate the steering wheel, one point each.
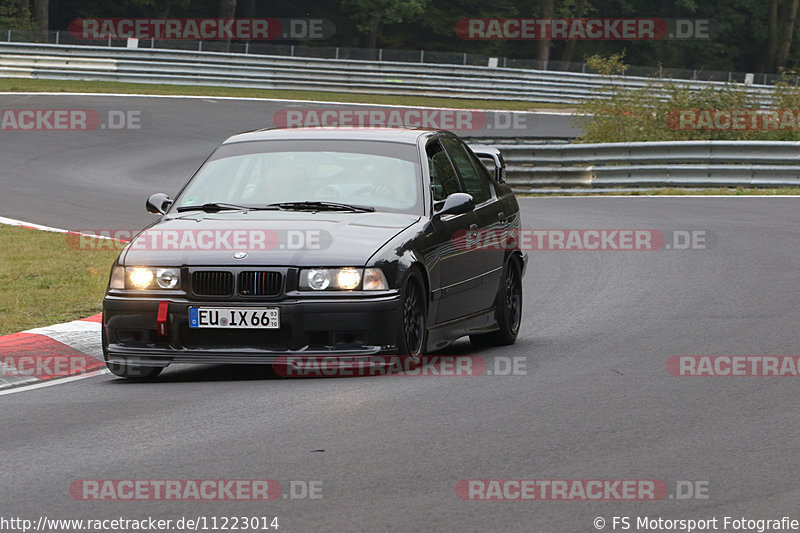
{"type": "Point", "coordinates": [380, 191]}
{"type": "Point", "coordinates": [329, 191]}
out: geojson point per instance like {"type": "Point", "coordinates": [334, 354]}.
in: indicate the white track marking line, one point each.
{"type": "Point", "coordinates": [80, 335]}
{"type": "Point", "coordinates": [31, 225]}
{"type": "Point", "coordinates": [64, 333]}
{"type": "Point", "coordinates": [51, 382]}
{"type": "Point", "coordinates": [283, 100]}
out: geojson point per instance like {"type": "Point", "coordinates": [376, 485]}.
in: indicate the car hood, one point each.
{"type": "Point", "coordinates": [297, 238]}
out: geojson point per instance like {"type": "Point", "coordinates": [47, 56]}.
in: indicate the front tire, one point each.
{"type": "Point", "coordinates": [413, 334]}
{"type": "Point", "coordinates": [508, 309]}
{"type": "Point", "coordinates": [127, 371]}
{"type": "Point", "coordinates": [134, 371]}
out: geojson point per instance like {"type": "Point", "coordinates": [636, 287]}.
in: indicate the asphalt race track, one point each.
{"type": "Point", "coordinates": [592, 400]}
{"type": "Point", "coordinates": [76, 179]}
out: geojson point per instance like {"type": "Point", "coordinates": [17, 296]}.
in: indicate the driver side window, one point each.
{"type": "Point", "coordinates": [475, 180]}
{"type": "Point", "coordinates": [444, 180]}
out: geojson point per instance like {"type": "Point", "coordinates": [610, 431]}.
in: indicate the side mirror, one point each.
{"type": "Point", "coordinates": [455, 204]}
{"type": "Point", "coordinates": [158, 203]}
{"type": "Point", "coordinates": [492, 159]}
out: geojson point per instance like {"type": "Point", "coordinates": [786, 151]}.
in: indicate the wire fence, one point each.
{"type": "Point", "coordinates": [381, 54]}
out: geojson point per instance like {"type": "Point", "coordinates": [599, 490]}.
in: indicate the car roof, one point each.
{"type": "Point", "coordinates": [402, 135]}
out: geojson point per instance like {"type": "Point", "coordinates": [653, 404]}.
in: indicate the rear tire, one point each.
{"type": "Point", "coordinates": [508, 309]}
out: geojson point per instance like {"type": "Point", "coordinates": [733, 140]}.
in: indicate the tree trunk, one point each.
{"type": "Point", "coordinates": [772, 43]}
{"type": "Point", "coordinates": [227, 10]}
{"type": "Point", "coordinates": [543, 46]}
{"type": "Point", "coordinates": [374, 28]}
{"type": "Point", "coordinates": [569, 48]}
{"type": "Point", "coordinates": [787, 21]}
{"type": "Point", "coordinates": [41, 14]}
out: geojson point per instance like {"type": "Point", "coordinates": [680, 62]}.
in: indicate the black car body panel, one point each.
{"type": "Point", "coordinates": [461, 283]}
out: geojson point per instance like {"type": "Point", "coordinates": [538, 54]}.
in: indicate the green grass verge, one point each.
{"type": "Point", "coordinates": [722, 191]}
{"type": "Point", "coordinates": [45, 280]}
{"type": "Point", "coordinates": [32, 85]}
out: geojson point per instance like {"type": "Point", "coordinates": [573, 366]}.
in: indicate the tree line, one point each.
{"type": "Point", "coordinates": [754, 35]}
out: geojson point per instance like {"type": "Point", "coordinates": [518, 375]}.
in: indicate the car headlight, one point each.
{"type": "Point", "coordinates": [374, 280]}
{"type": "Point", "coordinates": [343, 279]}
{"type": "Point", "coordinates": [348, 279]}
{"type": "Point", "coordinates": [117, 280]}
{"type": "Point", "coordinates": [168, 278]}
{"type": "Point", "coordinates": [140, 278]}
{"type": "Point", "coordinates": [317, 279]}
{"type": "Point", "coordinates": [143, 278]}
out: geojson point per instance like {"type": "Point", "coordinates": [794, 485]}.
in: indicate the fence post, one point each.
{"type": "Point", "coordinates": [9, 35]}
{"type": "Point", "coordinates": [109, 41]}
{"type": "Point", "coordinates": [422, 56]}
{"type": "Point", "coordinates": [152, 42]}
{"type": "Point", "coordinates": [291, 51]}
{"type": "Point", "coordinates": [465, 58]}
{"type": "Point", "coordinates": [337, 53]}
{"type": "Point", "coordinates": [199, 46]}
{"type": "Point", "coordinates": [247, 47]}
{"type": "Point", "coordinates": [58, 34]}
{"type": "Point", "coordinates": [380, 54]}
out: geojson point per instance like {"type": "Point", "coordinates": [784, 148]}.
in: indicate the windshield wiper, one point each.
{"type": "Point", "coordinates": [216, 207]}
{"type": "Point", "coordinates": [322, 206]}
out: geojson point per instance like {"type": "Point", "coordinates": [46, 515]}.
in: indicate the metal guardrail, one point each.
{"type": "Point", "coordinates": [356, 76]}
{"type": "Point", "coordinates": [653, 164]}
{"type": "Point", "coordinates": [530, 166]}
{"type": "Point", "coordinates": [304, 49]}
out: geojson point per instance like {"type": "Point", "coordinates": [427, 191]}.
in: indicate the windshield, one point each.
{"type": "Point", "coordinates": [382, 175]}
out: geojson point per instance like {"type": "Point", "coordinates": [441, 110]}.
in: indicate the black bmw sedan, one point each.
{"type": "Point", "coordinates": [335, 242]}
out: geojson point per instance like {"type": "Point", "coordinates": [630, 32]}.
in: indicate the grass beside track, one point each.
{"type": "Point", "coordinates": [45, 280]}
{"type": "Point", "coordinates": [59, 86]}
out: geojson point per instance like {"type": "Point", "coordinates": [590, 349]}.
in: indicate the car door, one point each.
{"type": "Point", "coordinates": [487, 255]}
{"type": "Point", "coordinates": [450, 263]}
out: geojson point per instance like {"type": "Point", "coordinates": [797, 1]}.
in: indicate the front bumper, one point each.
{"type": "Point", "coordinates": [330, 327]}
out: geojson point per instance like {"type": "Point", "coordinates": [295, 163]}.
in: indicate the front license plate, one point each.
{"type": "Point", "coordinates": [234, 318]}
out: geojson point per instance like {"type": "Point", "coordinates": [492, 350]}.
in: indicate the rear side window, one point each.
{"type": "Point", "coordinates": [475, 180]}
{"type": "Point", "coordinates": [444, 180]}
